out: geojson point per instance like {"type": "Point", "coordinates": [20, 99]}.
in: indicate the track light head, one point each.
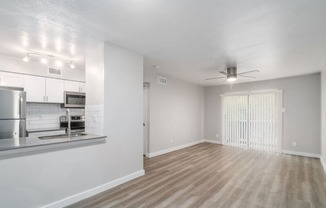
{"type": "Point", "coordinates": [26, 58]}
{"type": "Point", "coordinates": [72, 65]}
{"type": "Point", "coordinates": [44, 60]}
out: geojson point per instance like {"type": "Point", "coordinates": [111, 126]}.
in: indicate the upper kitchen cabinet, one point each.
{"type": "Point", "coordinates": [54, 90]}
{"type": "Point", "coordinates": [72, 86]}
{"type": "Point", "coordinates": [35, 88]}
{"type": "Point", "coordinates": [11, 79]}
{"type": "Point", "coordinates": [40, 89]}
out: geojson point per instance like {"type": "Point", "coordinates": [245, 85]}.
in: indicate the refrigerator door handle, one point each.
{"type": "Point", "coordinates": [22, 128]}
{"type": "Point", "coordinates": [22, 105]}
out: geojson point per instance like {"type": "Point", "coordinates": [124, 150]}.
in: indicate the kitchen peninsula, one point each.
{"type": "Point", "coordinates": [26, 144]}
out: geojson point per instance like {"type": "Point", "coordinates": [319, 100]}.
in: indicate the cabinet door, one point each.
{"type": "Point", "coordinates": [72, 86]}
{"type": "Point", "coordinates": [82, 87]}
{"type": "Point", "coordinates": [35, 88]}
{"type": "Point", "coordinates": [11, 79]}
{"type": "Point", "coordinates": [54, 90]}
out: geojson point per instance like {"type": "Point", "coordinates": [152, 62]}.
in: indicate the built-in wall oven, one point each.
{"type": "Point", "coordinates": [77, 123]}
{"type": "Point", "coordinates": [74, 99]}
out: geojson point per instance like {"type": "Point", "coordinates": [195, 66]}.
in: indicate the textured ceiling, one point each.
{"type": "Point", "coordinates": [188, 39]}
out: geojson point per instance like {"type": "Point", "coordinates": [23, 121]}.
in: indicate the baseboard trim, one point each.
{"type": "Point", "coordinates": [212, 141]}
{"type": "Point", "coordinates": [88, 193]}
{"type": "Point", "coordinates": [154, 154]}
{"type": "Point", "coordinates": [305, 154]}
{"type": "Point", "coordinates": [323, 163]}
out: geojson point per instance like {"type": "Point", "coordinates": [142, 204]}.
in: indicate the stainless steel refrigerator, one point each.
{"type": "Point", "coordinates": [12, 112]}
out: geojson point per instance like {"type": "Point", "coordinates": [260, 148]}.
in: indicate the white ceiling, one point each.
{"type": "Point", "coordinates": [188, 39]}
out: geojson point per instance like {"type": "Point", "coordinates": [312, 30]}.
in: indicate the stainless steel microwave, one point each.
{"type": "Point", "coordinates": [74, 99]}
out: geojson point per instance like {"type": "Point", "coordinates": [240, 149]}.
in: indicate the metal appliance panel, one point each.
{"type": "Point", "coordinates": [13, 104]}
{"type": "Point", "coordinates": [74, 99]}
{"type": "Point", "coordinates": [12, 129]}
{"type": "Point", "coordinates": [77, 123]}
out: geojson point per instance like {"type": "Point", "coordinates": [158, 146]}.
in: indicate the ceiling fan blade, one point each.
{"type": "Point", "coordinates": [248, 72]}
{"type": "Point", "coordinates": [246, 76]}
{"type": "Point", "coordinates": [214, 78]}
{"type": "Point", "coordinates": [223, 72]}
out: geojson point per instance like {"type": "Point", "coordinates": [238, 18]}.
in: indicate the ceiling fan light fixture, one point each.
{"type": "Point", "coordinates": [231, 78]}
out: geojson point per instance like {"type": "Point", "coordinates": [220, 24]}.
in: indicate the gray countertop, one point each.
{"type": "Point", "coordinates": [7, 145]}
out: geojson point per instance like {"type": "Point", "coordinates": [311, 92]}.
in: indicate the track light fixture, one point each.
{"type": "Point", "coordinates": [26, 58]}
{"type": "Point", "coordinates": [72, 65]}
{"type": "Point", "coordinates": [46, 58]}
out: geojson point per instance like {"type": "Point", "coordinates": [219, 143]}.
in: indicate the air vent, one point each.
{"type": "Point", "coordinates": [162, 80]}
{"type": "Point", "coordinates": [55, 71]}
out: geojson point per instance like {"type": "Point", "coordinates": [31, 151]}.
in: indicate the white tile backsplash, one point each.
{"type": "Point", "coordinates": [95, 120]}
{"type": "Point", "coordinates": [40, 116]}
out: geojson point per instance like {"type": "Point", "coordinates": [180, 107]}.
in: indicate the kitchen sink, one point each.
{"type": "Point", "coordinates": [63, 136]}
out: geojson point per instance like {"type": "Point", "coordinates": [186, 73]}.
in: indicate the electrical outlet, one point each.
{"type": "Point", "coordinates": [216, 135]}
{"type": "Point", "coordinates": [294, 144]}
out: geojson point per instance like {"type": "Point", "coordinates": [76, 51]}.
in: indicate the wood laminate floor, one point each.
{"type": "Point", "coordinates": [211, 175]}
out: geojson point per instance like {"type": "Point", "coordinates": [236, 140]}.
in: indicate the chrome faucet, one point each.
{"type": "Point", "coordinates": [68, 117]}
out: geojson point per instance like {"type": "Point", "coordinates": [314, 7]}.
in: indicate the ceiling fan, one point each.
{"type": "Point", "coordinates": [231, 74]}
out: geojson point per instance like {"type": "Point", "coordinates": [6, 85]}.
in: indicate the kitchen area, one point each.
{"type": "Point", "coordinates": [46, 160]}
{"type": "Point", "coordinates": [41, 110]}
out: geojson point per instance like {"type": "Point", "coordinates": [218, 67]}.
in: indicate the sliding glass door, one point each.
{"type": "Point", "coordinates": [253, 120]}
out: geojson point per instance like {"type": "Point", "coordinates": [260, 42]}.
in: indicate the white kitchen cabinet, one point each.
{"type": "Point", "coordinates": [40, 89]}
{"type": "Point", "coordinates": [54, 90]}
{"type": "Point", "coordinates": [11, 79]}
{"type": "Point", "coordinates": [72, 86]}
{"type": "Point", "coordinates": [82, 87]}
{"type": "Point", "coordinates": [35, 88]}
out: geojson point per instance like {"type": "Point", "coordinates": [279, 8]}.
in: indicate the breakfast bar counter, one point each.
{"type": "Point", "coordinates": [26, 144]}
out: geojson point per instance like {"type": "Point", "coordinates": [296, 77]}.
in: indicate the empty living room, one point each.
{"type": "Point", "coordinates": [155, 103]}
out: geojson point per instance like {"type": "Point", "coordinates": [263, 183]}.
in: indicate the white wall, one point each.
{"type": "Point", "coordinates": [176, 112]}
{"type": "Point", "coordinates": [14, 64]}
{"type": "Point", "coordinates": [301, 99]}
{"type": "Point", "coordinates": [39, 179]}
{"type": "Point", "coordinates": [94, 110]}
{"type": "Point", "coordinates": [123, 110]}
{"type": "Point", "coordinates": [323, 115]}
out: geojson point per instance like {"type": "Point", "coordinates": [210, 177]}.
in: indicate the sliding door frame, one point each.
{"type": "Point", "coordinates": [248, 93]}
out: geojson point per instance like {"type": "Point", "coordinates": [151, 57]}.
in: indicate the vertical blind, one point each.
{"type": "Point", "coordinates": [253, 120]}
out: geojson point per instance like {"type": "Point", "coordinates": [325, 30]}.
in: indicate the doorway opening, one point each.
{"type": "Point", "coordinates": [253, 120]}
{"type": "Point", "coordinates": [146, 118]}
